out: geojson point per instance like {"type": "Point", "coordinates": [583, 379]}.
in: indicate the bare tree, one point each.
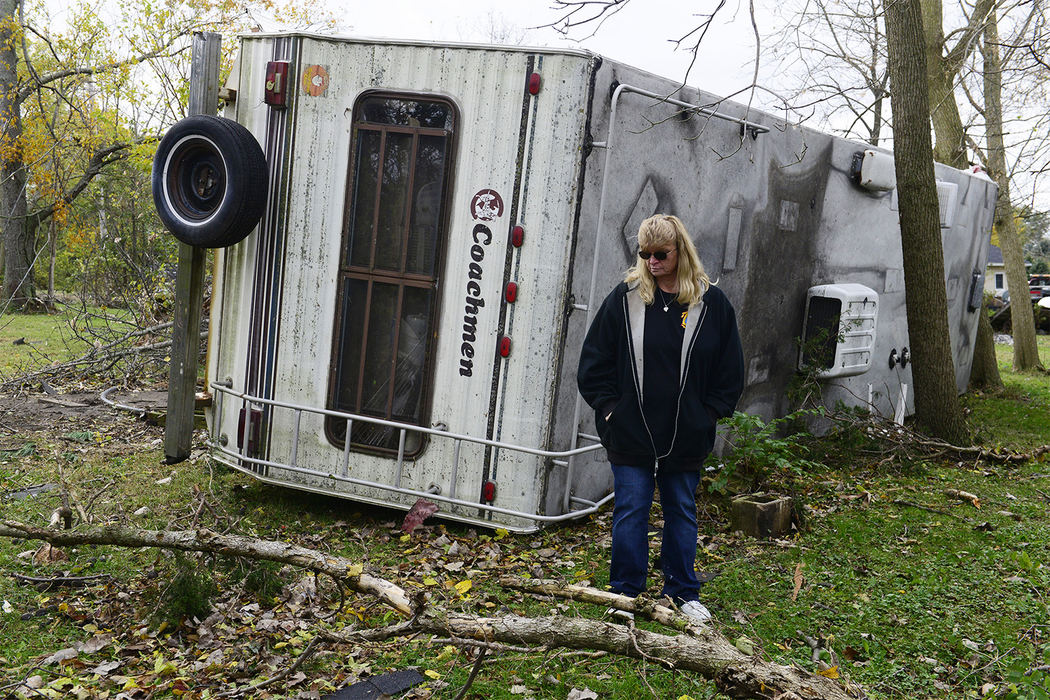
{"type": "Point", "coordinates": [943, 65]}
{"type": "Point", "coordinates": [945, 57]}
{"type": "Point", "coordinates": [937, 405]}
{"type": "Point", "coordinates": [1026, 351]}
{"type": "Point", "coordinates": [836, 52]}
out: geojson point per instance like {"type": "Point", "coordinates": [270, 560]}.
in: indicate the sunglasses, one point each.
{"type": "Point", "coordinates": [658, 254]}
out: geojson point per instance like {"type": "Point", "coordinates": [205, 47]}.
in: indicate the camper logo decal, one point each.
{"type": "Point", "coordinates": [315, 80]}
{"type": "Point", "coordinates": [487, 205]}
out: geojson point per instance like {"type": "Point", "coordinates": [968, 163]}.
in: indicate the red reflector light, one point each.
{"type": "Point", "coordinates": [276, 87]}
{"type": "Point", "coordinates": [511, 293]}
{"type": "Point", "coordinates": [488, 491]}
{"type": "Point", "coordinates": [504, 346]}
{"type": "Point", "coordinates": [534, 83]}
{"type": "Point", "coordinates": [517, 236]}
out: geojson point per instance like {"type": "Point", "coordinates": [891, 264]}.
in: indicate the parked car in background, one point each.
{"type": "Point", "coordinates": [1039, 286]}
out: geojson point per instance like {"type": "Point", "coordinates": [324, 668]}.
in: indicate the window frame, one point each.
{"type": "Point", "coordinates": [346, 272]}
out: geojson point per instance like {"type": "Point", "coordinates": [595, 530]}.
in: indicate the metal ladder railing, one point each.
{"type": "Point", "coordinates": [238, 458]}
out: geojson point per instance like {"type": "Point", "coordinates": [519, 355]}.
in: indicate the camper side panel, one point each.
{"type": "Point", "coordinates": [772, 214]}
{"type": "Point", "coordinates": [514, 162]}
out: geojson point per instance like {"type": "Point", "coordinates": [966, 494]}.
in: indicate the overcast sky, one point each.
{"type": "Point", "coordinates": [637, 35]}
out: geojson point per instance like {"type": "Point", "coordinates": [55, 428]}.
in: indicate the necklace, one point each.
{"type": "Point", "coordinates": [665, 300]}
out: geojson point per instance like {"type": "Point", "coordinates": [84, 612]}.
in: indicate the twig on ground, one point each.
{"type": "Point", "coordinates": [938, 511]}
{"type": "Point", "coordinates": [45, 583]}
{"type": "Point", "coordinates": [306, 653]}
{"type": "Point", "coordinates": [473, 673]}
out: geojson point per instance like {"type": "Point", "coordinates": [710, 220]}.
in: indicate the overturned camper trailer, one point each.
{"type": "Point", "coordinates": [442, 221]}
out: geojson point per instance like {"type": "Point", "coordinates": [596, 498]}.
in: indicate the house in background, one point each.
{"type": "Point", "coordinates": [995, 272]}
{"type": "Point", "coordinates": [995, 275]}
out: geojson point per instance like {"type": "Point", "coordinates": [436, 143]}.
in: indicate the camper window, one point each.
{"type": "Point", "coordinates": [392, 242]}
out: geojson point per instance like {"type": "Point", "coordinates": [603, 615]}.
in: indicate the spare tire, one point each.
{"type": "Point", "coordinates": [209, 181]}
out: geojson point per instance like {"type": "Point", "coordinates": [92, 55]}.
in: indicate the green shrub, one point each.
{"type": "Point", "coordinates": [758, 452]}
{"type": "Point", "coordinates": [189, 594]}
{"type": "Point", "coordinates": [263, 581]}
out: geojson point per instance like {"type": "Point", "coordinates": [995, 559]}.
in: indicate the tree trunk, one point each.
{"type": "Point", "coordinates": [18, 238]}
{"type": "Point", "coordinates": [1026, 351]}
{"type": "Point", "coordinates": [937, 406]}
{"type": "Point", "coordinates": [52, 245]}
{"type": "Point", "coordinates": [984, 373]}
{"type": "Point", "coordinates": [950, 147]}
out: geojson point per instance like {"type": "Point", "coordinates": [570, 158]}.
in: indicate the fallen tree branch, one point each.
{"type": "Point", "coordinates": [348, 572]}
{"type": "Point", "coordinates": [98, 358]}
{"type": "Point", "coordinates": [931, 509]}
{"type": "Point", "coordinates": [473, 674]}
{"type": "Point", "coordinates": [902, 436]}
{"type": "Point", "coordinates": [45, 584]}
{"type": "Point", "coordinates": [708, 653]}
{"type": "Point", "coordinates": [703, 650]}
{"type": "Point", "coordinates": [647, 608]}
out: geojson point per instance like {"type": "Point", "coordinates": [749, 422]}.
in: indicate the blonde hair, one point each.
{"type": "Point", "coordinates": [667, 230]}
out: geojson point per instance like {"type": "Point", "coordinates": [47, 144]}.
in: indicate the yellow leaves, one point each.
{"type": "Point", "coordinates": [162, 667]}
{"type": "Point", "coordinates": [447, 652]}
{"type": "Point", "coordinates": [432, 674]}
{"type": "Point", "coordinates": [831, 672]}
{"type": "Point", "coordinates": [798, 580]}
{"type": "Point", "coordinates": [501, 533]}
{"type": "Point", "coordinates": [463, 587]}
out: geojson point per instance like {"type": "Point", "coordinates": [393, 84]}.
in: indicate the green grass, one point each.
{"type": "Point", "coordinates": [1021, 413]}
{"type": "Point", "coordinates": [917, 594]}
{"type": "Point", "coordinates": [41, 338]}
{"type": "Point", "coordinates": [32, 341]}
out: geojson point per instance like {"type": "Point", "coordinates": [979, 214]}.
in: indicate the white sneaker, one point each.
{"type": "Point", "coordinates": [695, 611]}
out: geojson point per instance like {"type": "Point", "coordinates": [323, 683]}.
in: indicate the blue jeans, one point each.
{"type": "Point", "coordinates": [630, 545]}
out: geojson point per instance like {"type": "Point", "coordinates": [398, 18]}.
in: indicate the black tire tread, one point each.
{"type": "Point", "coordinates": [246, 182]}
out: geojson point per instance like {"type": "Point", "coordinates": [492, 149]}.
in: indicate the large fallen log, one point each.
{"type": "Point", "coordinates": [700, 650]}
{"type": "Point", "coordinates": [705, 652]}
{"type": "Point", "coordinates": [348, 572]}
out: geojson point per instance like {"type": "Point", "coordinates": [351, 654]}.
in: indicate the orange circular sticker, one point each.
{"type": "Point", "coordinates": [315, 80]}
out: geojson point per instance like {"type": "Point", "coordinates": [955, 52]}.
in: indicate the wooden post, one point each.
{"type": "Point", "coordinates": [189, 278]}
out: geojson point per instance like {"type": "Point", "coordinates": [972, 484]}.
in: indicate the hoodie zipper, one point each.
{"type": "Point", "coordinates": [681, 387]}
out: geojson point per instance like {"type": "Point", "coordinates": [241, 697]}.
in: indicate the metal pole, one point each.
{"type": "Point", "coordinates": [189, 279]}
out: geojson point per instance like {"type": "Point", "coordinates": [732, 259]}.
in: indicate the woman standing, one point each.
{"type": "Point", "coordinates": [661, 363]}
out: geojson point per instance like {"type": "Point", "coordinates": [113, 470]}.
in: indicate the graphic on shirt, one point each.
{"type": "Point", "coordinates": [685, 315]}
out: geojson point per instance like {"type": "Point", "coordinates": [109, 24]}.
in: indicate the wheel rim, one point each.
{"type": "Point", "coordinates": [195, 179]}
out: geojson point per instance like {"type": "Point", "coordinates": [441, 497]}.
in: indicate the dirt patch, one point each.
{"type": "Point", "coordinates": [29, 413]}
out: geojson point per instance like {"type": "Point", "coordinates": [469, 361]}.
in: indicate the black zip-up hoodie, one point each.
{"type": "Point", "coordinates": [611, 378]}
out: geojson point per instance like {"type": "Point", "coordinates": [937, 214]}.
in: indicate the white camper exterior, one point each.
{"type": "Point", "coordinates": [441, 223]}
